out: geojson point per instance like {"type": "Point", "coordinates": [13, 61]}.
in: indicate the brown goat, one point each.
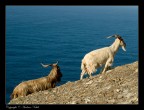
{"type": "Point", "coordinates": [40, 84]}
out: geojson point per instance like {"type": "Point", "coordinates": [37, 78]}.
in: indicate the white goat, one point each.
{"type": "Point", "coordinates": [97, 58]}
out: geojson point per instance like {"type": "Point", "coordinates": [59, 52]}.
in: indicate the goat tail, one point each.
{"type": "Point", "coordinates": [83, 66]}
{"type": "Point", "coordinates": [88, 68]}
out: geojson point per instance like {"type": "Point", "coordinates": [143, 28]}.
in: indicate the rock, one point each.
{"type": "Point", "coordinates": [118, 86]}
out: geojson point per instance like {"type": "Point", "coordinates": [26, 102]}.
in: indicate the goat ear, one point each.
{"type": "Point", "coordinates": [120, 38]}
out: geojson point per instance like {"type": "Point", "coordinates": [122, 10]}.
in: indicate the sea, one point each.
{"type": "Point", "coordinates": [47, 34]}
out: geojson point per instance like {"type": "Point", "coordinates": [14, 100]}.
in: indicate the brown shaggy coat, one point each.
{"type": "Point", "coordinates": [39, 84]}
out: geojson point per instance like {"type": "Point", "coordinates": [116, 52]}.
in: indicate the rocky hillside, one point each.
{"type": "Point", "coordinates": [117, 86]}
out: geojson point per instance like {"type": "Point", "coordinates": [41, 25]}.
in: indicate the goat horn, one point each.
{"type": "Point", "coordinates": [111, 36]}
{"type": "Point", "coordinates": [116, 36]}
{"type": "Point", "coordinates": [45, 66]}
{"type": "Point", "coordinates": [56, 62]}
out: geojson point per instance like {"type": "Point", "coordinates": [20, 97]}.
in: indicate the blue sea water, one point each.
{"type": "Point", "coordinates": [36, 34]}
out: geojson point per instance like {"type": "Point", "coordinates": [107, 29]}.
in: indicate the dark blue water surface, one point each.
{"type": "Point", "coordinates": [36, 34]}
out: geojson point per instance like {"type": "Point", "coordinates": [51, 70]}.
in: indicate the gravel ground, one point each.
{"type": "Point", "coordinates": [117, 86]}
